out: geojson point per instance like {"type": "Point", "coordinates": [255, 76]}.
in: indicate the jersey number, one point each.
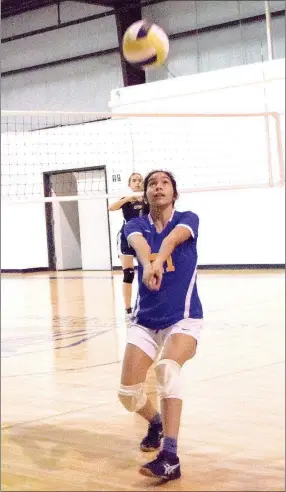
{"type": "Point", "coordinates": [170, 266]}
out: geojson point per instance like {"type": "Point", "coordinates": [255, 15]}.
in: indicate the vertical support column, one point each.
{"type": "Point", "coordinates": [268, 30]}
{"type": "Point", "coordinates": [59, 12]}
{"type": "Point", "coordinates": [131, 75]}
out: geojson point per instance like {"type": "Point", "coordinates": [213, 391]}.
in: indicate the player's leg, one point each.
{"type": "Point", "coordinates": [126, 255]}
{"type": "Point", "coordinates": [179, 347]}
{"type": "Point", "coordinates": [139, 355]}
{"type": "Point", "coordinates": [127, 263]}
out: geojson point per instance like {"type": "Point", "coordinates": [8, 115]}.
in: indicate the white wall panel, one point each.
{"type": "Point", "coordinates": [225, 48]}
{"type": "Point", "coordinates": [70, 11]}
{"type": "Point", "coordinates": [257, 7]}
{"type": "Point", "coordinates": [71, 41]}
{"type": "Point", "coordinates": [185, 15]}
{"type": "Point", "coordinates": [83, 86]}
{"type": "Point", "coordinates": [110, 143]}
{"type": "Point", "coordinates": [278, 29]}
{"type": "Point", "coordinates": [48, 16]}
{"type": "Point", "coordinates": [28, 21]}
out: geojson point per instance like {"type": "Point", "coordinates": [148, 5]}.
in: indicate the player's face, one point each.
{"type": "Point", "coordinates": [160, 191]}
{"type": "Point", "coordinates": [136, 182]}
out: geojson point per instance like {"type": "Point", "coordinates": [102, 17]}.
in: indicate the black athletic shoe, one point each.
{"type": "Point", "coordinates": [166, 466]}
{"type": "Point", "coordinates": [152, 441]}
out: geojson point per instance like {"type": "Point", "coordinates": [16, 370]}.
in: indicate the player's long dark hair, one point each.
{"type": "Point", "coordinates": [171, 178]}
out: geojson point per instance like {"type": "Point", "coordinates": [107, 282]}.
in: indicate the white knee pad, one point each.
{"type": "Point", "coordinates": [133, 398]}
{"type": "Point", "coordinates": [168, 379]}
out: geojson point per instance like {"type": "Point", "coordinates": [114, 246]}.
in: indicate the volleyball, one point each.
{"type": "Point", "coordinates": [145, 45]}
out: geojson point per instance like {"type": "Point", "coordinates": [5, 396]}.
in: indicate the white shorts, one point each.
{"type": "Point", "coordinates": [151, 342]}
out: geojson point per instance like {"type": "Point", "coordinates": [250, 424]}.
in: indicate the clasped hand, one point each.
{"type": "Point", "coordinates": [153, 275]}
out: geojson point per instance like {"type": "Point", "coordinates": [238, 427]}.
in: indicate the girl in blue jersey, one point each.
{"type": "Point", "coordinates": [131, 206]}
{"type": "Point", "coordinates": [167, 317]}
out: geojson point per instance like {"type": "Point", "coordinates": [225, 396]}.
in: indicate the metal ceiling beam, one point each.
{"type": "Point", "coordinates": [131, 75]}
{"type": "Point", "coordinates": [11, 8]}
{"type": "Point", "coordinates": [16, 7]}
{"type": "Point", "coordinates": [101, 3]}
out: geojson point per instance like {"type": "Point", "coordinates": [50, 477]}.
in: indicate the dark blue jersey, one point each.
{"type": "Point", "coordinates": [178, 297]}
{"type": "Point", "coordinates": [132, 210]}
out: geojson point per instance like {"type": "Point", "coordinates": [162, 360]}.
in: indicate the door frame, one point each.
{"type": "Point", "coordinates": [47, 182]}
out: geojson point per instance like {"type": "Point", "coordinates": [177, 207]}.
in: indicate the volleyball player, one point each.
{"type": "Point", "coordinates": [167, 315]}
{"type": "Point", "coordinates": [131, 206]}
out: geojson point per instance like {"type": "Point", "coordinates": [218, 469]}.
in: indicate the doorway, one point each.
{"type": "Point", "coordinates": [78, 231]}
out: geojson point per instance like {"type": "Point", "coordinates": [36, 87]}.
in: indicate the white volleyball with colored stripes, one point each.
{"type": "Point", "coordinates": [145, 45]}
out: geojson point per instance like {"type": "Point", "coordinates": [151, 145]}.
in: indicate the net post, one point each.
{"type": "Point", "coordinates": [279, 144]}
{"type": "Point", "coordinates": [268, 29]}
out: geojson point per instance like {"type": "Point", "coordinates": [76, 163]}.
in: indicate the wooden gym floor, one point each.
{"type": "Point", "coordinates": [63, 428]}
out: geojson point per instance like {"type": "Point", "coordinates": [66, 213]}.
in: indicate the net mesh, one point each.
{"type": "Point", "coordinates": [93, 153]}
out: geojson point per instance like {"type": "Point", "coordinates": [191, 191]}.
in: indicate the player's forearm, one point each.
{"type": "Point", "coordinates": [166, 249]}
{"type": "Point", "coordinates": [176, 237]}
{"type": "Point", "coordinates": [117, 205]}
{"type": "Point", "coordinates": [141, 247]}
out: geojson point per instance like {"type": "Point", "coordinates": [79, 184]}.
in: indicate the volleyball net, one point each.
{"type": "Point", "coordinates": [91, 155]}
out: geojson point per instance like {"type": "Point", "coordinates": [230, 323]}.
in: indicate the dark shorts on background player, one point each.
{"type": "Point", "coordinates": [123, 246]}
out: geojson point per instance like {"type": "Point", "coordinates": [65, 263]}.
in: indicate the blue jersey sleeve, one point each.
{"type": "Point", "coordinates": [134, 226]}
{"type": "Point", "coordinates": [191, 222]}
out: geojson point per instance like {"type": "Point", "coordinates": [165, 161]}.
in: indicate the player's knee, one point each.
{"type": "Point", "coordinates": [133, 398]}
{"type": "Point", "coordinates": [168, 379]}
{"type": "Point", "coordinates": [128, 275]}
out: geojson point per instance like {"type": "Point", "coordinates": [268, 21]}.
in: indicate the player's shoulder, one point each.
{"type": "Point", "coordinates": [186, 215]}
{"type": "Point", "coordinates": [142, 220]}
{"type": "Point", "coordinates": [138, 223]}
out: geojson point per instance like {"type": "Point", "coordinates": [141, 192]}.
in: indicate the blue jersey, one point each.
{"type": "Point", "coordinates": [178, 295]}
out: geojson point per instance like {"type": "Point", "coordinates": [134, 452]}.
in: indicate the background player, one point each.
{"type": "Point", "coordinates": [167, 315]}
{"type": "Point", "coordinates": [131, 206]}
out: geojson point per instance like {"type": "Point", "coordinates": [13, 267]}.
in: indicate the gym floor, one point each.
{"type": "Point", "coordinates": [63, 428]}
